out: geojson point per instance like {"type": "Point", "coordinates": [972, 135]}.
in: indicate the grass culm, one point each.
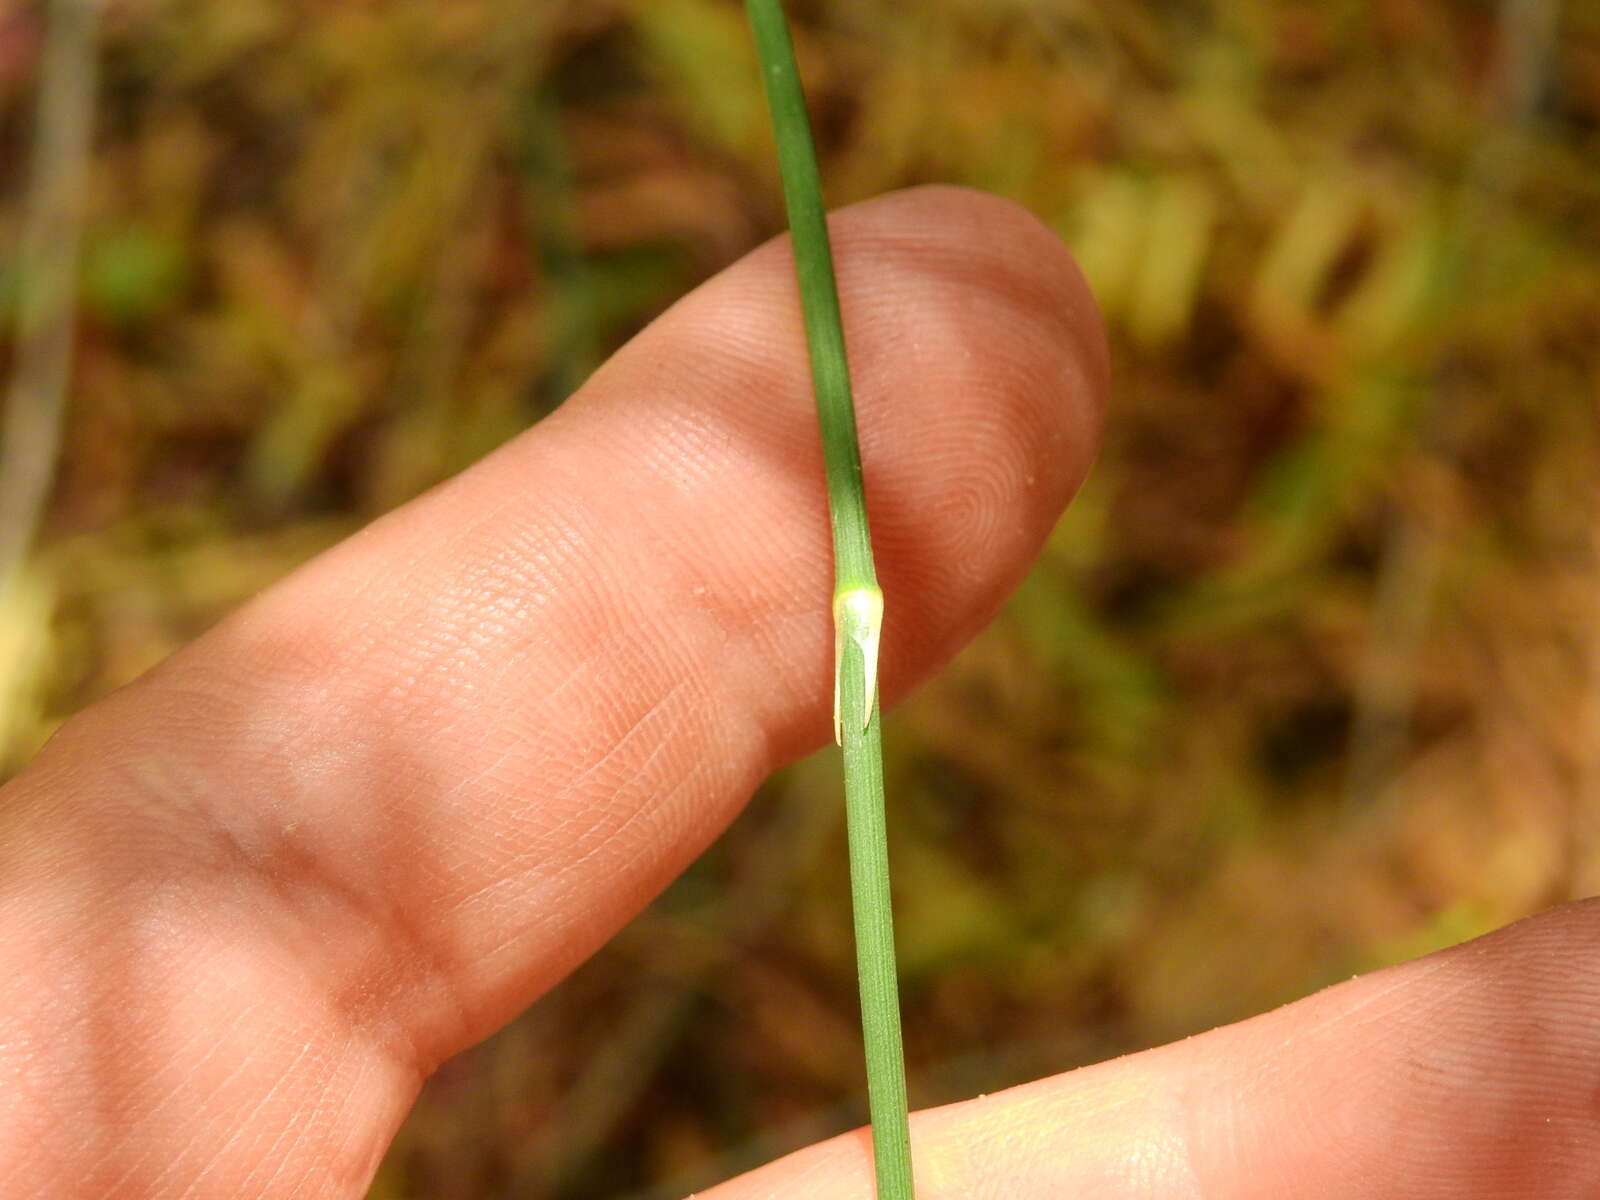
{"type": "Point", "coordinates": [857, 605]}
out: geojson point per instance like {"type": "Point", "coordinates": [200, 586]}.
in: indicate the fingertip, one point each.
{"type": "Point", "coordinates": [981, 385]}
{"type": "Point", "coordinates": [1015, 265]}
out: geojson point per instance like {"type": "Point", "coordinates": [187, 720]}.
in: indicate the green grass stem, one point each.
{"type": "Point", "coordinates": [857, 605]}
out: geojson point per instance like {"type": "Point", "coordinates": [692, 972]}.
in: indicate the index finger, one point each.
{"type": "Point", "coordinates": [375, 813]}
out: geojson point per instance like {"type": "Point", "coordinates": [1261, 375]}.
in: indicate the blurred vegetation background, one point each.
{"type": "Point", "coordinates": [1307, 681]}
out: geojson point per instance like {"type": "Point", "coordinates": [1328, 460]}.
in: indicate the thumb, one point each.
{"type": "Point", "coordinates": [1471, 1072]}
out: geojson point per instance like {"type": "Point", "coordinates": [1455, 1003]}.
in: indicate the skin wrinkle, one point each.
{"type": "Point", "coordinates": [287, 872]}
{"type": "Point", "coordinates": [285, 868]}
{"type": "Point", "coordinates": [245, 1117]}
{"type": "Point", "coordinates": [169, 1169]}
{"type": "Point", "coordinates": [408, 933]}
{"type": "Point", "coordinates": [728, 632]}
{"type": "Point", "coordinates": [523, 589]}
{"type": "Point", "coordinates": [151, 1106]}
{"type": "Point", "coordinates": [610, 821]}
{"type": "Point", "coordinates": [316, 1112]}
{"type": "Point", "coordinates": [180, 1087]}
{"type": "Point", "coordinates": [637, 815]}
{"type": "Point", "coordinates": [692, 592]}
{"type": "Point", "coordinates": [359, 1151]}
{"type": "Point", "coordinates": [652, 817]}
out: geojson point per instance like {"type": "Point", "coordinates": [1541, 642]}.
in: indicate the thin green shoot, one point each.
{"type": "Point", "coordinates": [857, 605]}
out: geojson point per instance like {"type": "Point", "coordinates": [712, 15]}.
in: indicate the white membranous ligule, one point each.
{"type": "Point", "coordinates": [858, 618]}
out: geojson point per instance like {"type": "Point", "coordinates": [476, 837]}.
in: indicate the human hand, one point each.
{"type": "Point", "coordinates": [248, 903]}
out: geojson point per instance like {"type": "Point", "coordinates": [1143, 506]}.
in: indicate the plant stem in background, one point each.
{"type": "Point", "coordinates": [857, 605]}
{"type": "Point", "coordinates": [47, 265]}
{"type": "Point", "coordinates": [552, 216]}
{"type": "Point", "coordinates": [1414, 550]}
